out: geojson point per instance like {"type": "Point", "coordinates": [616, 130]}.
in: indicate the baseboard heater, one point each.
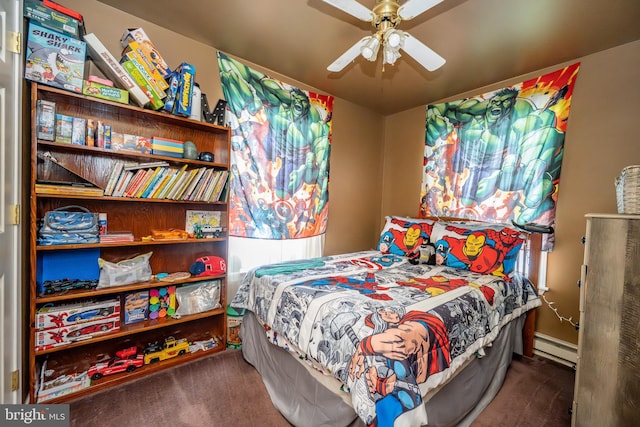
{"type": "Point", "coordinates": [555, 349]}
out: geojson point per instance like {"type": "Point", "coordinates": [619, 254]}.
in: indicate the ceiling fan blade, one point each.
{"type": "Point", "coordinates": [413, 8]}
{"type": "Point", "coordinates": [421, 53]}
{"type": "Point", "coordinates": [347, 57]}
{"type": "Point", "coordinates": [352, 7]}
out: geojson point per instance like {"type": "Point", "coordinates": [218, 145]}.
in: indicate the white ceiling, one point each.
{"type": "Point", "coordinates": [483, 41]}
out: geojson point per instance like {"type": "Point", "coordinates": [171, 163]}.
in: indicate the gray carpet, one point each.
{"type": "Point", "coordinates": [223, 390]}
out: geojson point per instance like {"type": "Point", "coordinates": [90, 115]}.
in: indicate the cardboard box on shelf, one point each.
{"type": "Point", "coordinates": [73, 264]}
{"type": "Point", "coordinates": [64, 128]}
{"type": "Point", "coordinates": [113, 70]}
{"type": "Point", "coordinates": [135, 54]}
{"type": "Point", "coordinates": [54, 59]}
{"type": "Point", "coordinates": [57, 316]}
{"type": "Point", "coordinates": [46, 117]}
{"type": "Point", "coordinates": [51, 19]}
{"type": "Point", "coordinates": [65, 335]}
{"type": "Point", "coordinates": [187, 75]}
{"type": "Point", "coordinates": [138, 35]}
{"type": "Point", "coordinates": [61, 384]}
{"type": "Point", "coordinates": [136, 306]}
{"type": "Point", "coordinates": [137, 76]}
{"type": "Point", "coordinates": [79, 131]}
{"type": "Point", "coordinates": [108, 93]}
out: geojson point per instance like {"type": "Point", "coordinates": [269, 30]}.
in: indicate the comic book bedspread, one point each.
{"type": "Point", "coordinates": [387, 329]}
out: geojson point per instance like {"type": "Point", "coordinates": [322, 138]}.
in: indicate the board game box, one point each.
{"type": "Point", "coordinates": [54, 59]}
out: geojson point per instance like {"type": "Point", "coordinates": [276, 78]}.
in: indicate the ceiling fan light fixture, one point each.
{"type": "Point", "coordinates": [390, 54]}
{"type": "Point", "coordinates": [370, 49]}
{"type": "Point", "coordinates": [384, 17]}
{"type": "Point", "coordinates": [393, 38]}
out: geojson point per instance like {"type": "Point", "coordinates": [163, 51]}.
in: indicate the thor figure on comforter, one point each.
{"type": "Point", "coordinates": [415, 345]}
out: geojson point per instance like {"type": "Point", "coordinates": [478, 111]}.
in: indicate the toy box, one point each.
{"type": "Point", "coordinates": [136, 306]}
{"type": "Point", "coordinates": [101, 91]}
{"type": "Point", "coordinates": [113, 70]}
{"type": "Point", "coordinates": [65, 335]}
{"type": "Point", "coordinates": [162, 302]}
{"type": "Point", "coordinates": [54, 59]}
{"type": "Point", "coordinates": [74, 264]}
{"type": "Point", "coordinates": [60, 385]}
{"type": "Point", "coordinates": [128, 142]}
{"type": "Point", "coordinates": [51, 19]}
{"type": "Point", "coordinates": [138, 35]}
{"type": "Point", "coordinates": [79, 131]}
{"type": "Point", "coordinates": [46, 117]}
{"type": "Point", "coordinates": [64, 128]}
{"type": "Point", "coordinates": [137, 76]}
{"type": "Point", "coordinates": [187, 75]}
{"type": "Point", "coordinates": [143, 144]}
{"type": "Point", "coordinates": [172, 91]}
{"type": "Point", "coordinates": [134, 51]}
{"type": "Point", "coordinates": [150, 75]}
{"type": "Point", "coordinates": [57, 316]}
{"type": "Point", "coordinates": [167, 147]}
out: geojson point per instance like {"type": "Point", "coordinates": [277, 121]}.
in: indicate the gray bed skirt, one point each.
{"type": "Point", "coordinates": [304, 401]}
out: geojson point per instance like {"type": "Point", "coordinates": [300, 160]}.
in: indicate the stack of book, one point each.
{"type": "Point", "coordinates": [116, 238]}
{"type": "Point", "coordinates": [69, 190]}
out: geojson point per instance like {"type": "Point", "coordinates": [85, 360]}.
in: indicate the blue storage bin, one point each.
{"type": "Point", "coordinates": [74, 264]}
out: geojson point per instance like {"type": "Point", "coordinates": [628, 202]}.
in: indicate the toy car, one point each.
{"type": "Point", "coordinates": [88, 314]}
{"type": "Point", "coordinates": [115, 366]}
{"type": "Point", "coordinates": [171, 348]}
{"type": "Point", "coordinates": [62, 285]}
{"type": "Point", "coordinates": [87, 330]}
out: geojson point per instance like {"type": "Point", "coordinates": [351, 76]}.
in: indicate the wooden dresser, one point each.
{"type": "Point", "coordinates": [607, 389]}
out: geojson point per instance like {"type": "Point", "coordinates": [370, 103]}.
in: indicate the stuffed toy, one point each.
{"type": "Point", "coordinates": [426, 254]}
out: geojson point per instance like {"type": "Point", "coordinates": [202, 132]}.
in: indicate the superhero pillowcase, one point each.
{"type": "Point", "coordinates": [479, 247]}
{"type": "Point", "coordinates": [410, 237]}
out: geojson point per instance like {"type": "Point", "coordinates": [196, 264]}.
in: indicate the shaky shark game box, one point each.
{"type": "Point", "coordinates": [54, 59]}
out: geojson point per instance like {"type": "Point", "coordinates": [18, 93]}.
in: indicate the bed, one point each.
{"type": "Point", "coordinates": [418, 332]}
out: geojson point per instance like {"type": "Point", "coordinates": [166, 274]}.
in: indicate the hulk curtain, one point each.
{"type": "Point", "coordinates": [497, 156]}
{"type": "Point", "coordinates": [281, 139]}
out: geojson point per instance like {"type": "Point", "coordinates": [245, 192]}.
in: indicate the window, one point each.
{"type": "Point", "coordinates": [245, 254]}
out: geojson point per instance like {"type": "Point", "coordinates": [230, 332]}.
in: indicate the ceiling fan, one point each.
{"type": "Point", "coordinates": [385, 17]}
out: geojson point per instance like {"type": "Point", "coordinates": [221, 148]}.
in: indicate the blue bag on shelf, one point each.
{"type": "Point", "coordinates": [69, 225]}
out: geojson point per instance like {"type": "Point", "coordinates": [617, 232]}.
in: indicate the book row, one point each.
{"type": "Point", "coordinates": [202, 184]}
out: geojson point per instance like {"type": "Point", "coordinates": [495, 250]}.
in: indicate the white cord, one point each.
{"type": "Point", "coordinates": [555, 310]}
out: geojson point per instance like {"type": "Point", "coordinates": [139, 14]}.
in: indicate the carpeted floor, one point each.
{"type": "Point", "coordinates": [223, 390]}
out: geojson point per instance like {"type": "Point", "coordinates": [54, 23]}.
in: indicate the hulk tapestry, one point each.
{"type": "Point", "coordinates": [280, 144]}
{"type": "Point", "coordinates": [497, 156]}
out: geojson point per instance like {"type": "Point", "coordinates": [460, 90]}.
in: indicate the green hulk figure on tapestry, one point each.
{"type": "Point", "coordinates": [497, 157]}
{"type": "Point", "coordinates": [280, 154]}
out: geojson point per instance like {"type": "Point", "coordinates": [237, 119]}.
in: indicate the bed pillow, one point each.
{"type": "Point", "coordinates": [477, 246]}
{"type": "Point", "coordinates": [406, 236]}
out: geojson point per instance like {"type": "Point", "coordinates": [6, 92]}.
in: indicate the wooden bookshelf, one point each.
{"type": "Point", "coordinates": [136, 215]}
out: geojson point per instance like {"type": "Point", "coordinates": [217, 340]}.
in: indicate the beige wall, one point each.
{"type": "Point", "coordinates": [376, 161]}
{"type": "Point", "coordinates": [601, 139]}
